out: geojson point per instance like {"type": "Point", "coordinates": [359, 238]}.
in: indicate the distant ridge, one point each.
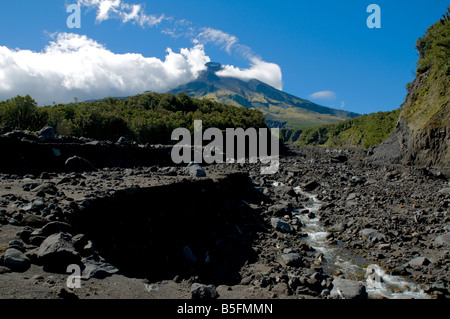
{"type": "Point", "coordinates": [280, 109]}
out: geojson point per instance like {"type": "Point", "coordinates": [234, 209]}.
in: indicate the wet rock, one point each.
{"type": "Point", "coordinates": [16, 260]}
{"type": "Point", "coordinates": [201, 291]}
{"type": "Point", "coordinates": [57, 252]}
{"type": "Point", "coordinates": [348, 289]}
{"type": "Point", "coordinates": [280, 225]}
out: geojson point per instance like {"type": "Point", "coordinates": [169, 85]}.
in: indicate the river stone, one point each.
{"type": "Point", "coordinates": [195, 170]}
{"type": "Point", "coordinates": [47, 134]}
{"type": "Point", "coordinates": [443, 239]}
{"type": "Point", "coordinates": [78, 164]}
{"type": "Point", "coordinates": [372, 234]}
{"type": "Point", "coordinates": [57, 252]}
{"type": "Point", "coordinates": [280, 225]}
{"type": "Point", "coordinates": [278, 209]}
{"type": "Point", "coordinates": [200, 291]}
{"type": "Point", "coordinates": [55, 227]}
{"type": "Point", "coordinates": [348, 289]}
{"type": "Point", "coordinates": [95, 269]}
{"type": "Point", "coordinates": [34, 220]}
{"type": "Point", "coordinates": [419, 261]}
{"type": "Point", "coordinates": [291, 259]}
{"type": "Point", "coordinates": [16, 260]}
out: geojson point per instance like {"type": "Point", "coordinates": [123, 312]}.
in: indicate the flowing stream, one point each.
{"type": "Point", "coordinates": [336, 258]}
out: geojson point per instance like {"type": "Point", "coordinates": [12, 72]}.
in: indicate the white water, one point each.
{"type": "Point", "coordinates": [379, 284]}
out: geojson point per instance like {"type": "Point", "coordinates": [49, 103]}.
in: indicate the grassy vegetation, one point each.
{"type": "Point", "coordinates": [427, 103]}
{"type": "Point", "coordinates": [145, 118]}
{"type": "Point", "coordinates": [363, 131]}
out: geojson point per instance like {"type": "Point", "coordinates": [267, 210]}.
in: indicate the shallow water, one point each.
{"type": "Point", "coordinates": [336, 259]}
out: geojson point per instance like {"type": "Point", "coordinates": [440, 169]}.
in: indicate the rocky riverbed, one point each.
{"type": "Point", "coordinates": [329, 224]}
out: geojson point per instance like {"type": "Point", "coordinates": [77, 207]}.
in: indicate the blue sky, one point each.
{"type": "Point", "coordinates": [317, 50]}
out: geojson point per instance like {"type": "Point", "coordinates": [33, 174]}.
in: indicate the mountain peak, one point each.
{"type": "Point", "coordinates": [213, 66]}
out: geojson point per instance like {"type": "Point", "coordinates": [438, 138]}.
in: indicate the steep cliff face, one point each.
{"type": "Point", "coordinates": [422, 135]}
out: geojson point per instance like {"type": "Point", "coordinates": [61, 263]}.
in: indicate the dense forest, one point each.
{"type": "Point", "coordinates": [144, 118]}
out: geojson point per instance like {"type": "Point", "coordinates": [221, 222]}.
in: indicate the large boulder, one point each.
{"type": "Point", "coordinates": [372, 235]}
{"type": "Point", "coordinates": [78, 164]}
{"type": "Point", "coordinates": [348, 289]}
{"type": "Point", "coordinates": [47, 134]}
{"type": "Point", "coordinates": [57, 252]}
{"type": "Point", "coordinates": [16, 260]}
{"type": "Point", "coordinates": [280, 225]}
{"type": "Point", "coordinates": [200, 291]}
{"type": "Point", "coordinates": [97, 269]}
{"type": "Point", "coordinates": [195, 170]}
{"type": "Point", "coordinates": [443, 239]}
{"type": "Point", "coordinates": [291, 259]}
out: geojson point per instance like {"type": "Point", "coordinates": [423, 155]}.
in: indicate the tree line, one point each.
{"type": "Point", "coordinates": [144, 118]}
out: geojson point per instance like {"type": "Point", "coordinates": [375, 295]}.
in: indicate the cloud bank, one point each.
{"type": "Point", "coordinates": [76, 66]}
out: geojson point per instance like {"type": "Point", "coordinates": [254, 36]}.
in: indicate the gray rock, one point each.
{"type": "Point", "coordinates": [348, 289]}
{"type": "Point", "coordinates": [372, 235]}
{"type": "Point", "coordinates": [96, 269]}
{"type": "Point", "coordinates": [16, 260]}
{"type": "Point", "coordinates": [443, 239]}
{"type": "Point", "coordinates": [78, 164]}
{"type": "Point", "coordinates": [195, 170]}
{"type": "Point", "coordinates": [47, 134]}
{"type": "Point", "coordinates": [445, 190]}
{"type": "Point", "coordinates": [278, 210]}
{"type": "Point", "coordinates": [280, 225]}
{"type": "Point", "coordinates": [16, 244]}
{"type": "Point", "coordinates": [200, 291]}
{"type": "Point", "coordinates": [47, 188]}
{"type": "Point", "coordinates": [419, 261]}
{"type": "Point", "coordinates": [310, 186]}
{"type": "Point", "coordinates": [291, 259]}
{"type": "Point", "coordinates": [56, 227]}
{"type": "Point", "coordinates": [4, 270]}
{"type": "Point", "coordinates": [57, 252]}
{"type": "Point", "coordinates": [34, 220]}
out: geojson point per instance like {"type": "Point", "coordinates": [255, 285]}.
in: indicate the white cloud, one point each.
{"type": "Point", "coordinates": [76, 66]}
{"type": "Point", "coordinates": [108, 9]}
{"type": "Point", "coordinates": [218, 37]}
{"type": "Point", "coordinates": [269, 73]}
{"type": "Point", "coordinates": [323, 95]}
